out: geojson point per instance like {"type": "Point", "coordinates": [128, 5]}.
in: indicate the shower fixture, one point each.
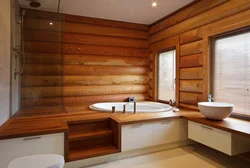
{"type": "Point", "coordinates": [34, 3]}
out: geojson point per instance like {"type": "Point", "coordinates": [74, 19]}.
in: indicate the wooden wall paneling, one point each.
{"type": "Point", "coordinates": [101, 60]}
{"type": "Point", "coordinates": [104, 50]}
{"type": "Point", "coordinates": [48, 56]}
{"type": "Point", "coordinates": [189, 106]}
{"type": "Point", "coordinates": [90, 70]}
{"type": "Point", "coordinates": [190, 11]}
{"type": "Point", "coordinates": [190, 98]}
{"type": "Point", "coordinates": [103, 90]}
{"type": "Point", "coordinates": [231, 23]}
{"type": "Point", "coordinates": [104, 22]}
{"type": "Point", "coordinates": [227, 9]}
{"type": "Point", "coordinates": [191, 86]}
{"type": "Point", "coordinates": [36, 81]}
{"type": "Point", "coordinates": [153, 59]}
{"type": "Point", "coordinates": [238, 21]}
{"type": "Point", "coordinates": [72, 59]}
{"type": "Point", "coordinates": [38, 35]}
{"type": "Point", "coordinates": [43, 47]}
{"type": "Point", "coordinates": [79, 100]}
{"type": "Point", "coordinates": [191, 48]}
{"type": "Point", "coordinates": [191, 61]}
{"type": "Point", "coordinates": [104, 30]}
{"type": "Point", "coordinates": [41, 92]}
{"type": "Point", "coordinates": [51, 70]}
{"type": "Point", "coordinates": [177, 78]}
{"type": "Point", "coordinates": [43, 58]}
{"type": "Point", "coordinates": [191, 36]}
{"type": "Point", "coordinates": [105, 80]}
{"type": "Point", "coordinates": [207, 69]}
{"type": "Point", "coordinates": [165, 44]}
{"type": "Point", "coordinates": [41, 102]}
{"type": "Point", "coordinates": [39, 81]}
{"type": "Point", "coordinates": [191, 73]}
{"type": "Point", "coordinates": [42, 70]}
{"type": "Point", "coordinates": [104, 40]}
{"type": "Point", "coordinates": [42, 24]}
{"type": "Point", "coordinates": [47, 92]}
{"type": "Point", "coordinates": [76, 100]}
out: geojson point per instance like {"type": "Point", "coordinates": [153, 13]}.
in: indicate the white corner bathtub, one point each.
{"type": "Point", "coordinates": [147, 107]}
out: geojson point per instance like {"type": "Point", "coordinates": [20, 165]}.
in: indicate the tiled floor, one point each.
{"type": "Point", "coordinates": [196, 156]}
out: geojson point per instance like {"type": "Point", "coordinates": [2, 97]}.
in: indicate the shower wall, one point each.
{"type": "Point", "coordinates": [15, 59]}
{"type": "Point", "coordinates": [74, 60]}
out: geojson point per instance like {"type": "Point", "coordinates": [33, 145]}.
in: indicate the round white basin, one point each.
{"type": "Point", "coordinates": [216, 110]}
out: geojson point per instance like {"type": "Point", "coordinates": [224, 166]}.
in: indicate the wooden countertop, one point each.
{"type": "Point", "coordinates": [32, 126]}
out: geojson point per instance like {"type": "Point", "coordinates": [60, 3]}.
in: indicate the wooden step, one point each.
{"type": "Point", "coordinates": [88, 135]}
{"type": "Point", "coordinates": [92, 152]}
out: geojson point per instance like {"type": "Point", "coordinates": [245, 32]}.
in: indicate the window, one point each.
{"type": "Point", "coordinates": [166, 76]}
{"type": "Point", "coordinates": [231, 72]}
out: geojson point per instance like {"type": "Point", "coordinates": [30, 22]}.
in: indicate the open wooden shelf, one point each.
{"type": "Point", "coordinates": [92, 152]}
{"type": "Point", "coordinates": [91, 138]}
{"type": "Point", "coordinates": [87, 135]}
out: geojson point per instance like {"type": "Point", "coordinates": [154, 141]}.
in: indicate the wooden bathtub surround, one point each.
{"type": "Point", "coordinates": [189, 31]}
{"type": "Point", "coordinates": [79, 58]}
{"type": "Point", "coordinates": [91, 134]}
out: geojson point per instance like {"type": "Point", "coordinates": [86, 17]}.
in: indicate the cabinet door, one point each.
{"type": "Point", "coordinates": [136, 136]}
{"type": "Point", "coordinates": [169, 131]}
{"type": "Point", "coordinates": [11, 149]}
{"type": "Point", "coordinates": [212, 137]}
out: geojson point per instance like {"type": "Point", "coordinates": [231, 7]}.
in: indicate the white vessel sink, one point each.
{"type": "Point", "coordinates": [215, 110]}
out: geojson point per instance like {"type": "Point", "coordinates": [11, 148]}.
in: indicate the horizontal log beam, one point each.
{"type": "Point", "coordinates": [191, 86]}
{"type": "Point", "coordinates": [41, 81]}
{"type": "Point", "coordinates": [50, 92]}
{"type": "Point", "coordinates": [191, 61]}
{"type": "Point", "coordinates": [191, 73]}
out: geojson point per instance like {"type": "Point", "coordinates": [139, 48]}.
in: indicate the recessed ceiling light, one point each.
{"type": "Point", "coordinates": [51, 23]}
{"type": "Point", "coordinates": [154, 4]}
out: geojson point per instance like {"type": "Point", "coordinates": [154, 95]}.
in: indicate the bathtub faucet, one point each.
{"type": "Point", "coordinates": [124, 108]}
{"type": "Point", "coordinates": [131, 99]}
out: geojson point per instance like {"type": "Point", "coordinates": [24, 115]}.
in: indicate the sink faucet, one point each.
{"type": "Point", "coordinates": [210, 98]}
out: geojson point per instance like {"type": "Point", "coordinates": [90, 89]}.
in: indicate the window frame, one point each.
{"type": "Point", "coordinates": [157, 81]}
{"type": "Point", "coordinates": [212, 49]}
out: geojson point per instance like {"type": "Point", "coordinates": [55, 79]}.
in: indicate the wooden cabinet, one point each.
{"type": "Point", "coordinates": [220, 140]}
{"type": "Point", "coordinates": [143, 135]}
{"type": "Point", "coordinates": [45, 144]}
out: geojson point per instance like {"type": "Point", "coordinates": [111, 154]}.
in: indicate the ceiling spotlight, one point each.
{"type": "Point", "coordinates": [51, 23]}
{"type": "Point", "coordinates": [154, 4]}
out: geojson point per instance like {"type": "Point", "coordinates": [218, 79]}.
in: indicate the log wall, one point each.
{"type": "Point", "coordinates": [79, 60]}
{"type": "Point", "coordinates": [190, 31]}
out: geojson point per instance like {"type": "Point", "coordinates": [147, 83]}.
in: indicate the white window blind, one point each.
{"type": "Point", "coordinates": [166, 76]}
{"type": "Point", "coordinates": [231, 72]}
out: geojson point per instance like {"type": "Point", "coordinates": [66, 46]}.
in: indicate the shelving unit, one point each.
{"type": "Point", "coordinates": [92, 138]}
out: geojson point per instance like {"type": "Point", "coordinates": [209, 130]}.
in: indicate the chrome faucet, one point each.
{"type": "Point", "coordinates": [131, 99]}
{"type": "Point", "coordinates": [210, 98]}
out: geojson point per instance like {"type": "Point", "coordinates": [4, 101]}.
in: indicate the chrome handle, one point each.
{"type": "Point", "coordinates": [32, 138]}
{"type": "Point", "coordinates": [113, 109]}
{"type": "Point", "coordinates": [124, 108]}
{"type": "Point", "coordinates": [206, 127]}
{"type": "Point", "coordinates": [136, 125]}
{"type": "Point", "coordinates": [166, 122]}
